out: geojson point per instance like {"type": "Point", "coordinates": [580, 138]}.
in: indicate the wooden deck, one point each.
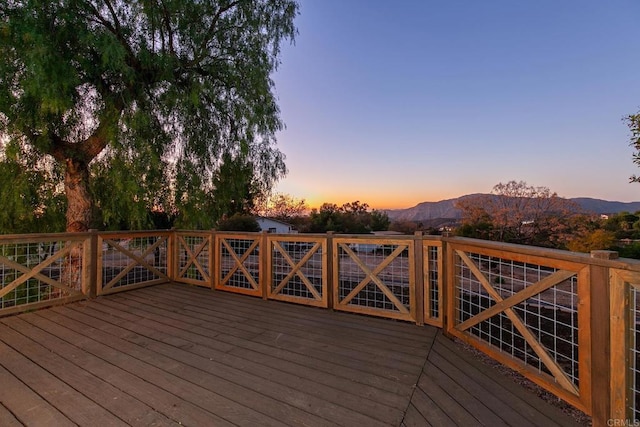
{"type": "Point", "coordinates": [181, 355]}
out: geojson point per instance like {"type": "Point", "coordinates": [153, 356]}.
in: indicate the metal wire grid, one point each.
{"type": "Point", "coordinates": [67, 270]}
{"type": "Point", "coordinates": [311, 269]}
{"type": "Point", "coordinates": [395, 276]}
{"type": "Point", "coordinates": [184, 258]}
{"type": "Point", "coordinates": [633, 402]}
{"type": "Point", "coordinates": [252, 263]}
{"type": "Point", "coordinates": [433, 283]}
{"type": "Point", "coordinates": [551, 316]}
{"type": "Point", "coordinates": [115, 261]}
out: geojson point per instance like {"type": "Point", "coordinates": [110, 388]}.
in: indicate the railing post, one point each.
{"type": "Point", "coordinates": [330, 267]}
{"type": "Point", "coordinates": [217, 261]}
{"type": "Point", "coordinates": [212, 258]}
{"type": "Point", "coordinates": [601, 410]}
{"type": "Point", "coordinates": [171, 255]}
{"type": "Point", "coordinates": [90, 274]}
{"type": "Point", "coordinates": [265, 252]}
{"type": "Point", "coordinates": [448, 297]}
{"type": "Point", "coordinates": [419, 279]}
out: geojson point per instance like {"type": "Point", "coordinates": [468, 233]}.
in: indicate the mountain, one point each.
{"type": "Point", "coordinates": [605, 207]}
{"type": "Point", "coordinates": [427, 212]}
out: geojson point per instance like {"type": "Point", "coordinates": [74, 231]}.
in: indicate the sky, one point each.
{"type": "Point", "coordinates": [394, 103]}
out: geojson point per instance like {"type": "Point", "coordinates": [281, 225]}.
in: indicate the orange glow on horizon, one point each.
{"type": "Point", "coordinates": [380, 202]}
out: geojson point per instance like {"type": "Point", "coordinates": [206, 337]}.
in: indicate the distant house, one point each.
{"type": "Point", "coordinates": [274, 226]}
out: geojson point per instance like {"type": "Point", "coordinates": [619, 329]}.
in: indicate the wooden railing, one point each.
{"type": "Point", "coordinates": [567, 321]}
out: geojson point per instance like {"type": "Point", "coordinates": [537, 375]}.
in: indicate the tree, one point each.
{"type": "Point", "coordinates": [283, 207]}
{"type": "Point", "coordinates": [152, 95]}
{"type": "Point", "coordinates": [596, 240]}
{"type": "Point", "coordinates": [352, 217]}
{"type": "Point", "coordinates": [404, 226]}
{"type": "Point", "coordinates": [31, 201]}
{"type": "Point", "coordinates": [239, 222]}
{"type": "Point", "coordinates": [518, 213]}
{"type": "Point", "coordinates": [633, 122]}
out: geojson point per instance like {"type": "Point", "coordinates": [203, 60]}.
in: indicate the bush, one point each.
{"type": "Point", "coordinates": [239, 222]}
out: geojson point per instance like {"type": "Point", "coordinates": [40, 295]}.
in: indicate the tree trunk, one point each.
{"type": "Point", "coordinates": [79, 215]}
{"type": "Point", "coordinates": [79, 201]}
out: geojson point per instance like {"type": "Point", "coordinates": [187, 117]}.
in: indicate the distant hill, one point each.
{"type": "Point", "coordinates": [428, 212]}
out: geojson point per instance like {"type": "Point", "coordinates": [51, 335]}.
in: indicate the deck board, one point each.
{"type": "Point", "coordinates": [183, 355]}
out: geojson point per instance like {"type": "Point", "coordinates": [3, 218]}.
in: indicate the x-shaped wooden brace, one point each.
{"type": "Point", "coordinates": [192, 258]}
{"type": "Point", "coordinates": [139, 260]}
{"type": "Point", "coordinates": [239, 263]}
{"type": "Point", "coordinates": [34, 273]}
{"type": "Point", "coordinates": [373, 276]}
{"type": "Point", "coordinates": [295, 269]}
{"type": "Point", "coordinates": [505, 305]}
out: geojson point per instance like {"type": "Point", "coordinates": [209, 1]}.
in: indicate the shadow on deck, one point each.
{"type": "Point", "coordinates": [175, 354]}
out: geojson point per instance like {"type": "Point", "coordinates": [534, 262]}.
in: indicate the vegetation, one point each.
{"type": "Point", "coordinates": [633, 121]}
{"type": "Point", "coordinates": [239, 222]}
{"type": "Point", "coordinates": [116, 109]}
{"type": "Point", "coordinates": [518, 213]}
{"type": "Point", "coordinates": [352, 217]}
{"type": "Point", "coordinates": [283, 207]}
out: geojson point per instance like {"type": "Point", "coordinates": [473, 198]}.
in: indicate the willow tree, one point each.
{"type": "Point", "coordinates": [146, 97]}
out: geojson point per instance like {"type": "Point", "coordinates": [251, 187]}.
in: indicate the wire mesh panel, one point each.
{"type": "Point", "coordinates": [297, 267]}
{"type": "Point", "coordinates": [432, 252]}
{"type": "Point", "coordinates": [625, 347]}
{"type": "Point", "coordinates": [633, 401]}
{"type": "Point", "coordinates": [526, 313]}
{"type": "Point", "coordinates": [238, 263]}
{"type": "Point", "coordinates": [374, 276]}
{"type": "Point", "coordinates": [127, 261]}
{"type": "Point", "coordinates": [194, 255]}
{"type": "Point", "coordinates": [40, 272]}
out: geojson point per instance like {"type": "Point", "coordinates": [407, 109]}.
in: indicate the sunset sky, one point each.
{"type": "Point", "coordinates": [399, 102]}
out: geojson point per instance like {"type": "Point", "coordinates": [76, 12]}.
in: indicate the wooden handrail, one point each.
{"type": "Point", "coordinates": [309, 272]}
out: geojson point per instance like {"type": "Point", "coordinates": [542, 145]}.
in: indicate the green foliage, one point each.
{"type": "Point", "coordinates": [155, 98]}
{"type": "Point", "coordinates": [352, 217]}
{"type": "Point", "coordinates": [239, 222]}
{"type": "Point", "coordinates": [633, 122]}
{"type": "Point", "coordinates": [30, 196]}
{"type": "Point", "coordinates": [624, 225]}
{"type": "Point", "coordinates": [628, 251]}
{"type": "Point", "coordinates": [595, 240]}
